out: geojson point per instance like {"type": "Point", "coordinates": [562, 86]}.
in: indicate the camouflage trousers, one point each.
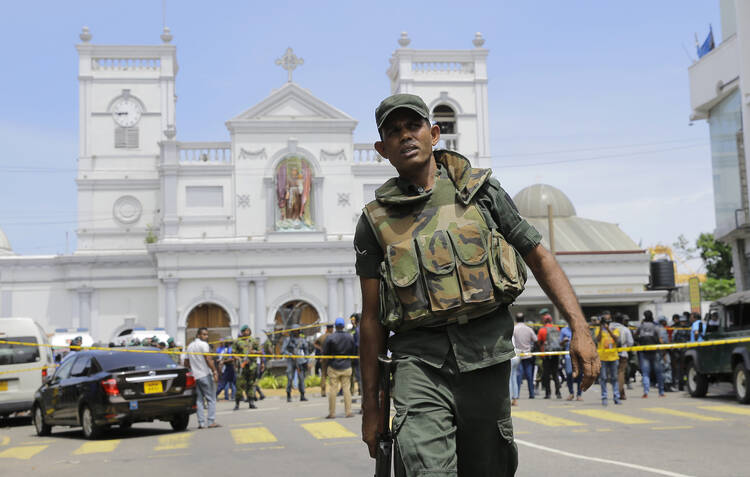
{"type": "Point", "coordinates": [246, 379]}
{"type": "Point", "coordinates": [449, 423]}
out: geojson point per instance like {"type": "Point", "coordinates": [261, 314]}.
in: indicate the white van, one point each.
{"type": "Point", "coordinates": [22, 368]}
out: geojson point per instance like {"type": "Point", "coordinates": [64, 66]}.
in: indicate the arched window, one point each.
{"type": "Point", "coordinates": [444, 116]}
{"type": "Point", "coordinates": [294, 195]}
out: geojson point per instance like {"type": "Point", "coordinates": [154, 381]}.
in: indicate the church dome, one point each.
{"type": "Point", "coordinates": [533, 201]}
{"type": "Point", "coordinates": [4, 244]}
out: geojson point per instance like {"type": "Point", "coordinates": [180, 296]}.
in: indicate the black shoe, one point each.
{"type": "Point", "coordinates": [288, 397]}
{"type": "Point", "coordinates": [302, 398]}
{"type": "Point", "coordinates": [558, 396]}
{"type": "Point", "coordinates": [262, 396]}
{"type": "Point", "coordinates": [252, 405]}
{"type": "Point", "coordinates": [236, 404]}
{"type": "Point", "coordinates": [546, 396]}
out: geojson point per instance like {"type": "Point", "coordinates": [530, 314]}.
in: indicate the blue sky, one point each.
{"type": "Point", "coordinates": [602, 83]}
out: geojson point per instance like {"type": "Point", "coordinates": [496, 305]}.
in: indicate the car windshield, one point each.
{"type": "Point", "coordinates": [115, 361]}
{"type": "Point", "coordinates": [16, 353]}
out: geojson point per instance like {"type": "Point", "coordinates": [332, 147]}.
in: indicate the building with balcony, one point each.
{"type": "Point", "coordinates": [257, 230]}
{"type": "Point", "coordinates": [720, 94]}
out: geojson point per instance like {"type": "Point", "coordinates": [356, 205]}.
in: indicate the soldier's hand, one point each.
{"type": "Point", "coordinates": [372, 423]}
{"type": "Point", "coordinates": [584, 358]}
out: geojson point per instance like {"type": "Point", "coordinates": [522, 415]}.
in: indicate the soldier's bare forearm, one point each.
{"type": "Point", "coordinates": [372, 340]}
{"type": "Point", "coordinates": [556, 285]}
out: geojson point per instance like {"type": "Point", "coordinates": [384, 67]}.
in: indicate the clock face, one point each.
{"type": "Point", "coordinates": [126, 112]}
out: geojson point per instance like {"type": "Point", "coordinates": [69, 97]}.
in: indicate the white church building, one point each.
{"type": "Point", "coordinates": [179, 234]}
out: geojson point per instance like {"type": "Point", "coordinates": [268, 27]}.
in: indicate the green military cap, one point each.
{"type": "Point", "coordinates": [543, 311]}
{"type": "Point", "coordinates": [244, 327]}
{"type": "Point", "coordinates": [396, 101]}
{"type": "Point", "coordinates": [155, 339]}
{"type": "Point", "coordinates": [170, 340]}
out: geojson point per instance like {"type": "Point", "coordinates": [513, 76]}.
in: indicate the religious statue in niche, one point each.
{"type": "Point", "coordinates": [293, 194]}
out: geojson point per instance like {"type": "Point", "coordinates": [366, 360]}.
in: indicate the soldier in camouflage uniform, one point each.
{"type": "Point", "coordinates": [246, 368]}
{"type": "Point", "coordinates": [440, 254]}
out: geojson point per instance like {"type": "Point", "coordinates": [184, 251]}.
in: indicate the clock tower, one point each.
{"type": "Point", "coordinates": [126, 106]}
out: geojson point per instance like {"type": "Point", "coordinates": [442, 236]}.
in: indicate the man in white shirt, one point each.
{"type": "Point", "coordinates": [524, 339]}
{"type": "Point", "coordinates": [206, 377]}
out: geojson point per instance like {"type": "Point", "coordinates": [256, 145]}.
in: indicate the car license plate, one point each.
{"type": "Point", "coordinates": [133, 405]}
{"type": "Point", "coordinates": [152, 387]}
{"type": "Point", "coordinates": [3, 385]}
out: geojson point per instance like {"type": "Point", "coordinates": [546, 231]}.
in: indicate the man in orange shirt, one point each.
{"type": "Point", "coordinates": [549, 340]}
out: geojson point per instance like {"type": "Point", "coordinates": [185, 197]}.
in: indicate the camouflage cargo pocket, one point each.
{"type": "Point", "coordinates": [391, 313]}
{"type": "Point", "coordinates": [439, 268]}
{"type": "Point", "coordinates": [403, 267]}
{"type": "Point", "coordinates": [507, 275]}
{"type": "Point", "coordinates": [470, 244]}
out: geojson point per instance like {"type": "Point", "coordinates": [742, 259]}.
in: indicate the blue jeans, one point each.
{"type": "Point", "coordinates": [204, 388]}
{"type": "Point", "coordinates": [569, 375]}
{"type": "Point", "coordinates": [515, 387]}
{"type": "Point", "coordinates": [609, 374]}
{"type": "Point", "coordinates": [291, 367]}
{"type": "Point", "coordinates": [648, 360]}
{"type": "Point", "coordinates": [526, 371]}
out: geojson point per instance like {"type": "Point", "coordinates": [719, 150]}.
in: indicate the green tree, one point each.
{"type": "Point", "coordinates": [715, 288]}
{"type": "Point", "coordinates": [717, 257]}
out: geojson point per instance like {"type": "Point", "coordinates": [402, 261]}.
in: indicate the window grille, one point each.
{"type": "Point", "coordinates": [126, 138]}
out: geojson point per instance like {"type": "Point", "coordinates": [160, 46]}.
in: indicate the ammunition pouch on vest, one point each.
{"type": "Point", "coordinates": [442, 264]}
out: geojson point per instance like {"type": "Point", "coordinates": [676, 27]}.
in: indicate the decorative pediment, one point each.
{"type": "Point", "coordinates": [291, 102]}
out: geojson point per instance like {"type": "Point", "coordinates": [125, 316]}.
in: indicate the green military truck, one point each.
{"type": "Point", "coordinates": [723, 362]}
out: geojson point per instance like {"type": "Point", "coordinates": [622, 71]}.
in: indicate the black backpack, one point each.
{"type": "Point", "coordinates": [647, 334]}
{"type": "Point", "coordinates": [552, 343]}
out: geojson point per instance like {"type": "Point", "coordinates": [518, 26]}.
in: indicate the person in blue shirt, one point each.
{"type": "Point", "coordinates": [697, 329]}
{"type": "Point", "coordinates": [226, 365]}
{"type": "Point", "coordinates": [565, 335]}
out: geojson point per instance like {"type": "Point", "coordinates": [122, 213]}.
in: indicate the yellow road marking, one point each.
{"type": "Point", "coordinates": [173, 441]}
{"type": "Point", "coordinates": [670, 428]}
{"type": "Point", "coordinates": [576, 430]}
{"type": "Point", "coordinates": [97, 447]}
{"type": "Point", "coordinates": [685, 414]}
{"type": "Point", "coordinates": [611, 416]}
{"type": "Point", "coordinates": [327, 430]}
{"type": "Point", "coordinates": [342, 443]}
{"type": "Point", "coordinates": [545, 419]}
{"type": "Point", "coordinates": [604, 430]}
{"type": "Point", "coordinates": [252, 435]}
{"type": "Point", "coordinates": [24, 452]}
{"type": "Point", "coordinates": [298, 419]}
{"type": "Point", "coordinates": [742, 411]}
{"type": "Point", "coordinates": [36, 443]}
{"type": "Point", "coordinates": [4, 441]}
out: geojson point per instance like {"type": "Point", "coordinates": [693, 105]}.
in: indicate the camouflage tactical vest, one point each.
{"type": "Point", "coordinates": [442, 262]}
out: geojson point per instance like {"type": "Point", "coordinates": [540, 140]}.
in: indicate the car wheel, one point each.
{"type": "Point", "coordinates": [740, 382]}
{"type": "Point", "coordinates": [42, 428]}
{"type": "Point", "coordinates": [180, 422]}
{"type": "Point", "coordinates": [90, 429]}
{"type": "Point", "coordinates": [697, 383]}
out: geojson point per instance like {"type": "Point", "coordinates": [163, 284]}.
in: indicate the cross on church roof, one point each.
{"type": "Point", "coordinates": [289, 62]}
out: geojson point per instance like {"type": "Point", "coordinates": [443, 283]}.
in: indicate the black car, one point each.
{"type": "Point", "coordinates": [96, 389]}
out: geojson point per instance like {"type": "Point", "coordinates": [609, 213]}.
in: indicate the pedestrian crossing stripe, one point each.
{"type": "Point", "coordinates": [611, 416]}
{"type": "Point", "coordinates": [173, 441]}
{"type": "Point", "coordinates": [96, 447]}
{"type": "Point", "coordinates": [252, 435]}
{"type": "Point", "coordinates": [5, 440]}
{"type": "Point", "coordinates": [687, 415]}
{"type": "Point", "coordinates": [22, 452]}
{"type": "Point", "coordinates": [728, 409]}
{"type": "Point", "coordinates": [545, 419]}
{"type": "Point", "coordinates": [327, 430]}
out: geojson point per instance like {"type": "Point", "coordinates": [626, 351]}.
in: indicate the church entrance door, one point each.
{"type": "Point", "coordinates": [294, 312]}
{"type": "Point", "coordinates": [211, 316]}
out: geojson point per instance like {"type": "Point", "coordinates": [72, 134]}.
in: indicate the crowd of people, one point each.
{"type": "Point", "coordinates": [610, 331]}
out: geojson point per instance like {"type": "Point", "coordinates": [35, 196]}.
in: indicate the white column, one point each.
{"type": "Point", "coordinates": [244, 288]}
{"type": "Point", "coordinates": [333, 297]}
{"type": "Point", "coordinates": [84, 307]}
{"type": "Point", "coordinates": [170, 305]}
{"type": "Point", "coordinates": [260, 306]}
{"type": "Point", "coordinates": [349, 296]}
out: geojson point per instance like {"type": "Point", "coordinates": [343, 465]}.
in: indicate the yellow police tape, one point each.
{"type": "Point", "coordinates": [27, 369]}
{"type": "Point", "coordinates": [276, 332]}
{"type": "Point", "coordinates": [667, 346]}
